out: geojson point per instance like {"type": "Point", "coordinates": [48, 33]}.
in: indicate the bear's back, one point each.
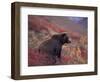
{"type": "Point", "coordinates": [48, 46]}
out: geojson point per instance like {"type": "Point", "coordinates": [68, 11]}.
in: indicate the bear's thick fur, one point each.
{"type": "Point", "coordinates": [53, 46]}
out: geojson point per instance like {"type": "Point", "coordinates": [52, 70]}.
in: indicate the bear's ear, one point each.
{"type": "Point", "coordinates": [63, 35]}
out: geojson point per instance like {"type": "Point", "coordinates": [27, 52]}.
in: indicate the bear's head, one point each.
{"type": "Point", "coordinates": [62, 38]}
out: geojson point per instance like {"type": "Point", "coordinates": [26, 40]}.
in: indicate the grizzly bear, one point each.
{"type": "Point", "coordinates": [53, 46]}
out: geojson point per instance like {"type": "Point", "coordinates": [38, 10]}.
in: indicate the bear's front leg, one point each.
{"type": "Point", "coordinates": [58, 56]}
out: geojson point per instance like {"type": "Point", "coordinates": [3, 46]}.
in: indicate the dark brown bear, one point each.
{"type": "Point", "coordinates": [53, 46]}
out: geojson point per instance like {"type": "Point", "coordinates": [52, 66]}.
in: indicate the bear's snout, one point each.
{"type": "Point", "coordinates": [69, 41]}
